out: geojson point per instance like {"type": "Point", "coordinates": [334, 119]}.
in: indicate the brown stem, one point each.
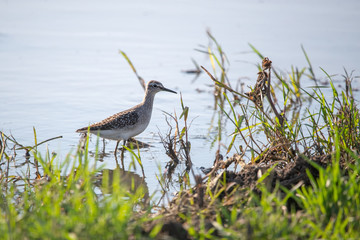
{"type": "Point", "coordinates": [268, 95]}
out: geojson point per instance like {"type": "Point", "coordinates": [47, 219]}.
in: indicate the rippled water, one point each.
{"type": "Point", "coordinates": [61, 68]}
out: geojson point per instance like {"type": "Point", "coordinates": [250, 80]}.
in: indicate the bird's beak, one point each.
{"type": "Point", "coordinates": [168, 90]}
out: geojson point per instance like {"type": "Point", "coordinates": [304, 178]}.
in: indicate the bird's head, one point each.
{"type": "Point", "coordinates": [155, 86]}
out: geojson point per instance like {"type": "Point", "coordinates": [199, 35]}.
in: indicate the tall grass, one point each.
{"type": "Point", "coordinates": [55, 206]}
{"type": "Point", "coordinates": [303, 126]}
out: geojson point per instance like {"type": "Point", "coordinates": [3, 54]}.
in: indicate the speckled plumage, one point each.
{"type": "Point", "coordinates": [116, 121]}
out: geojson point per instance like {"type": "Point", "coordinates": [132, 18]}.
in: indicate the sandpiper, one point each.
{"type": "Point", "coordinates": [128, 123]}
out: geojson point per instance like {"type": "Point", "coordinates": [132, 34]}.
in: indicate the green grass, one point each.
{"type": "Point", "coordinates": [58, 207]}
{"type": "Point", "coordinates": [298, 123]}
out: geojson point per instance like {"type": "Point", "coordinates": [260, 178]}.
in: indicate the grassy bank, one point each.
{"type": "Point", "coordinates": [301, 181]}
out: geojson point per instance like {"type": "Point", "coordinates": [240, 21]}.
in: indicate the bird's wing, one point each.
{"type": "Point", "coordinates": [116, 121]}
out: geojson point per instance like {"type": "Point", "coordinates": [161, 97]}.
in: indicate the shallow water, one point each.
{"type": "Point", "coordinates": [61, 70]}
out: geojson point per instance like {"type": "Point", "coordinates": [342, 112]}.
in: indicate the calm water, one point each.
{"type": "Point", "coordinates": [60, 67]}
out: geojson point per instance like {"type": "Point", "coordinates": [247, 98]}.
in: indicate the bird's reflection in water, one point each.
{"type": "Point", "coordinates": [127, 179]}
{"type": "Point", "coordinates": [132, 143]}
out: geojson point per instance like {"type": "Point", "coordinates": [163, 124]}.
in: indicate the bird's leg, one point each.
{"type": "Point", "coordinates": [104, 145]}
{"type": "Point", "coordinates": [116, 148]}
{"type": "Point", "coordinates": [122, 154]}
{"type": "Point", "coordinates": [102, 155]}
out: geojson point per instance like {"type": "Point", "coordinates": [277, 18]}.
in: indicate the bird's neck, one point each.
{"type": "Point", "coordinates": [148, 99]}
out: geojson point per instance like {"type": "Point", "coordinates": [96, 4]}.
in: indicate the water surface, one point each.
{"type": "Point", "coordinates": [61, 68]}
